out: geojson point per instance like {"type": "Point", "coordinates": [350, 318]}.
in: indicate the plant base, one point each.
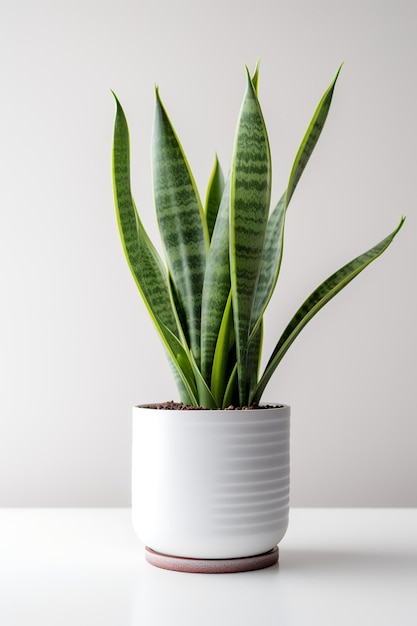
{"type": "Point", "coordinates": [212, 566]}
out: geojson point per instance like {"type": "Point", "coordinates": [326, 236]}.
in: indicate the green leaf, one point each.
{"type": "Point", "coordinates": [254, 357]}
{"type": "Point", "coordinates": [231, 396]}
{"type": "Point", "coordinates": [205, 396]}
{"type": "Point", "coordinates": [221, 360]}
{"type": "Point", "coordinates": [214, 196]}
{"type": "Point", "coordinates": [272, 255]}
{"type": "Point", "coordinates": [325, 292]}
{"type": "Point", "coordinates": [144, 262]}
{"type": "Point", "coordinates": [185, 396]}
{"type": "Point", "coordinates": [216, 286]}
{"type": "Point", "coordinates": [255, 77]}
{"type": "Point", "coordinates": [271, 261]}
{"type": "Point", "coordinates": [182, 361]}
{"type": "Point", "coordinates": [310, 138]}
{"type": "Point", "coordinates": [191, 377]}
{"type": "Point", "coordinates": [143, 259]}
{"type": "Point", "coordinates": [249, 207]}
{"type": "Point", "coordinates": [181, 221]}
{"type": "Point", "coordinates": [274, 240]}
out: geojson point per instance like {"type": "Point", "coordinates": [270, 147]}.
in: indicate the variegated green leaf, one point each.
{"type": "Point", "coordinates": [325, 292]}
{"type": "Point", "coordinates": [272, 255]}
{"type": "Point", "coordinates": [250, 192]}
{"type": "Point", "coordinates": [209, 306]}
{"type": "Point", "coordinates": [310, 138]}
{"type": "Point", "coordinates": [271, 261]}
{"type": "Point", "coordinates": [205, 395]}
{"type": "Point", "coordinates": [143, 259]}
{"type": "Point", "coordinates": [214, 196]}
{"type": "Point", "coordinates": [183, 362]}
{"type": "Point", "coordinates": [216, 286]}
{"type": "Point", "coordinates": [181, 221]}
{"type": "Point", "coordinates": [144, 262]}
{"type": "Point", "coordinates": [185, 396]}
{"type": "Point", "coordinates": [196, 387]}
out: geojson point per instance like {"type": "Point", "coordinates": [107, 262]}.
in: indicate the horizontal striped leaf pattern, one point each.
{"type": "Point", "coordinates": [145, 264]}
{"type": "Point", "coordinates": [181, 221]}
{"type": "Point", "coordinates": [223, 261]}
{"type": "Point", "coordinates": [274, 240]}
{"type": "Point", "coordinates": [143, 259]}
{"type": "Point", "coordinates": [249, 207]}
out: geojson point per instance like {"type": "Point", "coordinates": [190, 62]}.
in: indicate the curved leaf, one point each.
{"type": "Point", "coordinates": [271, 261]}
{"type": "Point", "coordinates": [182, 362]}
{"type": "Point", "coordinates": [144, 262]}
{"type": "Point", "coordinates": [143, 259]}
{"type": "Point", "coordinates": [325, 292]}
{"type": "Point", "coordinates": [274, 239]}
{"type": "Point", "coordinates": [311, 137]}
{"type": "Point", "coordinates": [191, 377]}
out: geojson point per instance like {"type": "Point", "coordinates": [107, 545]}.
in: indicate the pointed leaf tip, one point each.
{"type": "Point", "coordinates": [115, 97]}
{"type": "Point", "coordinates": [255, 77]}
{"type": "Point", "coordinates": [339, 69]}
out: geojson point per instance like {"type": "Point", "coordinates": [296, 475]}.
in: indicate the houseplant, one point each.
{"type": "Point", "coordinates": [207, 303]}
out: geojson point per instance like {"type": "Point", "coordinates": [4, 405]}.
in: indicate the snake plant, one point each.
{"type": "Point", "coordinates": [223, 258]}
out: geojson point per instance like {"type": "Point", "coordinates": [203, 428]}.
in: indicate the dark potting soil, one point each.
{"type": "Point", "coordinates": [170, 405]}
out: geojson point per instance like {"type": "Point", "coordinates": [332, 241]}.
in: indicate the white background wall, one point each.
{"type": "Point", "coordinates": [76, 347]}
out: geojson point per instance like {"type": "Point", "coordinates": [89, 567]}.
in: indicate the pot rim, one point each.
{"type": "Point", "coordinates": [264, 406]}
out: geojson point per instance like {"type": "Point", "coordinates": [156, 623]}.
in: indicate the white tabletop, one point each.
{"type": "Point", "coordinates": [81, 567]}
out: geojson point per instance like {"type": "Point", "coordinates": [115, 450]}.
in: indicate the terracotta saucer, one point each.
{"type": "Point", "coordinates": [211, 566]}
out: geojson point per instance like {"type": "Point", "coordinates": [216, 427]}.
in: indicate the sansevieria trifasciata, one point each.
{"type": "Point", "coordinates": [207, 297]}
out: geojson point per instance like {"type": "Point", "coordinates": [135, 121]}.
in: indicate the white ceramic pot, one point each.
{"type": "Point", "coordinates": [210, 484]}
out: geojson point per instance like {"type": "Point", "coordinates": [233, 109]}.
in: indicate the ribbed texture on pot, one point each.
{"type": "Point", "coordinates": [211, 484]}
{"type": "Point", "coordinates": [251, 493]}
